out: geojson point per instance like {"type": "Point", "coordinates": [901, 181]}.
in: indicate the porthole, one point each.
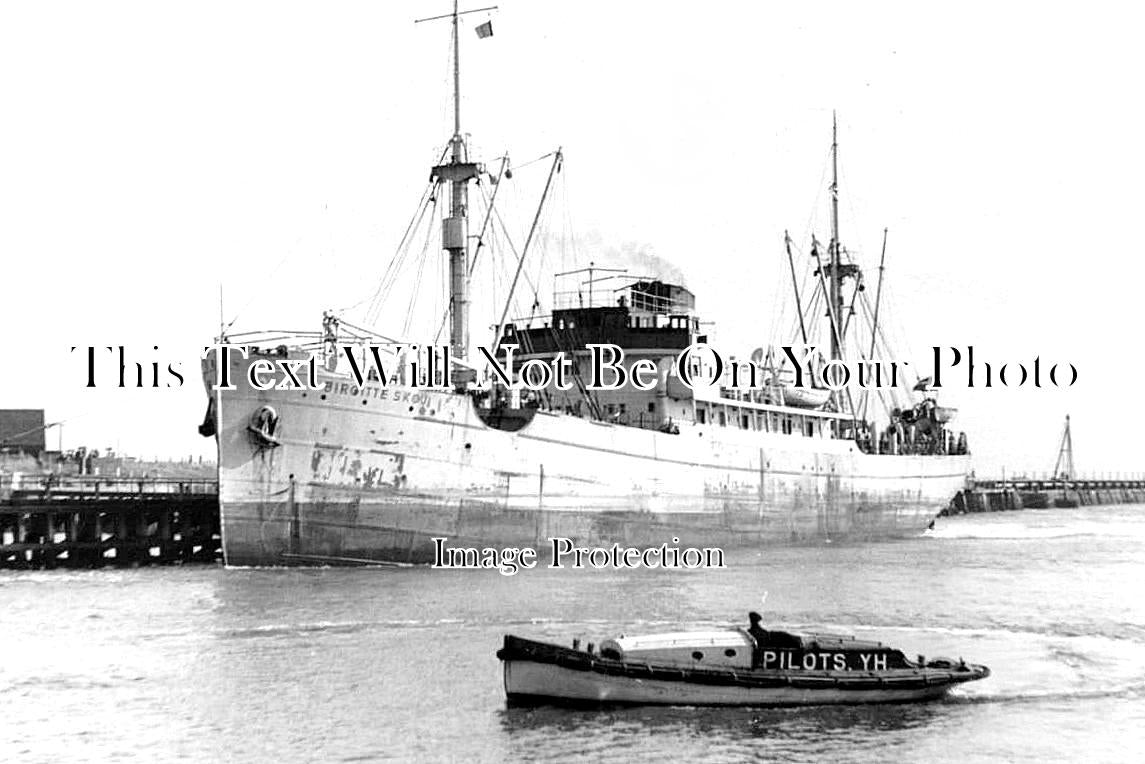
{"type": "Point", "coordinates": [698, 656]}
{"type": "Point", "coordinates": [730, 653]}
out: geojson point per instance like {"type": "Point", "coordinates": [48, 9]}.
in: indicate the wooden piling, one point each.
{"type": "Point", "coordinates": [63, 523]}
{"type": "Point", "coordinates": [1012, 494]}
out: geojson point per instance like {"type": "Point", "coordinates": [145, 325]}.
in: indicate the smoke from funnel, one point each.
{"type": "Point", "coordinates": [641, 260]}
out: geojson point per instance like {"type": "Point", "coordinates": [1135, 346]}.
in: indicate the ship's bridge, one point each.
{"type": "Point", "coordinates": [645, 315]}
{"type": "Point", "coordinates": [647, 318]}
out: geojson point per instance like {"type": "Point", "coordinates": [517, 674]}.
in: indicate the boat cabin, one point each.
{"type": "Point", "coordinates": [729, 649]}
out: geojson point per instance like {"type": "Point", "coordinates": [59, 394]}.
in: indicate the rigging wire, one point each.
{"type": "Point", "coordinates": [420, 272]}
{"type": "Point", "coordinates": [489, 202]}
{"type": "Point", "coordinates": [568, 237]}
{"type": "Point", "coordinates": [263, 283]}
{"type": "Point", "coordinates": [543, 231]}
{"type": "Point", "coordinates": [395, 264]}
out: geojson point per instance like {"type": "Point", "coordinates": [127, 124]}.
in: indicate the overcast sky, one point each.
{"type": "Point", "coordinates": [153, 151]}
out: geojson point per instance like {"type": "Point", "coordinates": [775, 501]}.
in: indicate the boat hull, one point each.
{"type": "Point", "coordinates": [528, 683]}
{"type": "Point", "coordinates": [538, 673]}
{"type": "Point", "coordinates": [375, 474]}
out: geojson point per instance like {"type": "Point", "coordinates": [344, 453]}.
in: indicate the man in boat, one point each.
{"type": "Point", "coordinates": [768, 639]}
{"type": "Point", "coordinates": [756, 630]}
{"type": "Point", "coordinates": [760, 635]}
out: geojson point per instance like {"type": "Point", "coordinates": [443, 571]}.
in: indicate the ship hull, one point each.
{"type": "Point", "coordinates": [375, 474]}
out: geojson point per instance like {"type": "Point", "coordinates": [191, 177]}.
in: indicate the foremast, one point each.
{"type": "Point", "coordinates": [457, 174]}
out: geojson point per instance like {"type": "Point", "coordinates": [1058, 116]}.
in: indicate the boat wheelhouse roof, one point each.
{"type": "Point", "coordinates": [714, 638]}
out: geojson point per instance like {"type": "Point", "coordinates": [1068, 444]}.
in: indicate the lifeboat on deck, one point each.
{"type": "Point", "coordinates": [725, 668]}
{"type": "Point", "coordinates": [806, 397]}
{"type": "Point", "coordinates": [944, 414]}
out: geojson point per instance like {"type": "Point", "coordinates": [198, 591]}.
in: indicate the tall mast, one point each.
{"type": "Point", "coordinates": [836, 286]}
{"type": "Point", "coordinates": [454, 230]}
{"type": "Point", "coordinates": [455, 234]}
{"type": "Point", "coordinates": [456, 87]}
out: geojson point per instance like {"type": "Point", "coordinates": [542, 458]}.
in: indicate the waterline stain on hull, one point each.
{"type": "Point", "coordinates": [266, 533]}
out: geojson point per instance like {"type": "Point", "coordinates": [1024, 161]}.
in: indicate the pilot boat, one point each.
{"type": "Point", "coordinates": [725, 668]}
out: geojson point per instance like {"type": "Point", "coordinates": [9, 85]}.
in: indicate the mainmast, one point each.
{"type": "Point", "coordinates": [836, 282]}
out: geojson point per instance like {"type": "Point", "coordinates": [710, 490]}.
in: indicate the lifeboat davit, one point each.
{"type": "Point", "coordinates": [725, 668]}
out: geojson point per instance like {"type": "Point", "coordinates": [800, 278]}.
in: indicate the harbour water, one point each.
{"type": "Point", "coordinates": [200, 663]}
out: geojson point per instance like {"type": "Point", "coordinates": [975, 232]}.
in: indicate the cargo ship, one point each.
{"type": "Point", "coordinates": [361, 470]}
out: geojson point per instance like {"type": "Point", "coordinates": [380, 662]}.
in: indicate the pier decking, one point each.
{"type": "Point", "coordinates": [90, 522]}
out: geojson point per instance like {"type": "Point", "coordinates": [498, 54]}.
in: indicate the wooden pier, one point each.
{"type": "Point", "coordinates": [91, 522]}
{"type": "Point", "coordinates": [1063, 487]}
{"type": "Point", "coordinates": [1029, 493]}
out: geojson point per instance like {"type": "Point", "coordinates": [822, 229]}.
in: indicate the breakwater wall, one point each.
{"type": "Point", "coordinates": [49, 521]}
{"type": "Point", "coordinates": [1003, 495]}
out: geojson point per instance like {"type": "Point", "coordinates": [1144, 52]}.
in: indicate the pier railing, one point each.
{"type": "Point", "coordinates": [1021, 483]}
{"type": "Point", "coordinates": [99, 485]}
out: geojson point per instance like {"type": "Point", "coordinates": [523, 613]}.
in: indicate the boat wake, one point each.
{"type": "Point", "coordinates": [1115, 635]}
{"type": "Point", "coordinates": [1020, 531]}
{"type": "Point", "coordinates": [1128, 690]}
